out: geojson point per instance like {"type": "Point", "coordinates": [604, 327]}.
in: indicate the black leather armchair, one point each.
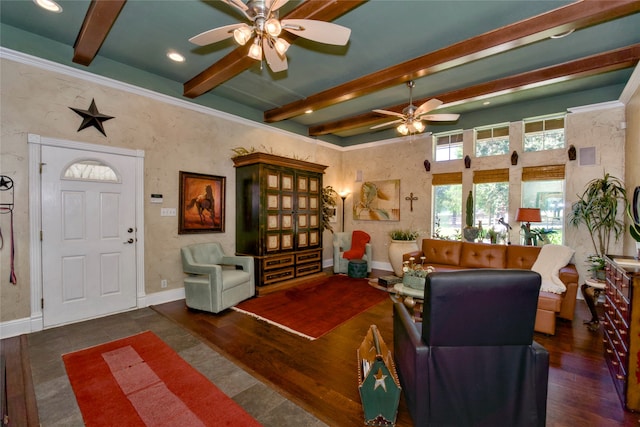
{"type": "Point", "coordinates": [473, 361]}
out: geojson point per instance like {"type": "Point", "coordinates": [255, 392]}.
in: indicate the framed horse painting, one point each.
{"type": "Point", "coordinates": [202, 200]}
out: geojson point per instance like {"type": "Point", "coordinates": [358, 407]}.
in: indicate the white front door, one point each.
{"type": "Point", "coordinates": [88, 234]}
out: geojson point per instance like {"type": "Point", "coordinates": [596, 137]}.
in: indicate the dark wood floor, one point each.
{"type": "Point", "coordinates": [321, 375]}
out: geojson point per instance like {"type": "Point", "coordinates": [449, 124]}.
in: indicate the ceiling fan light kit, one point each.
{"type": "Point", "coordinates": [411, 117]}
{"type": "Point", "coordinates": [266, 28]}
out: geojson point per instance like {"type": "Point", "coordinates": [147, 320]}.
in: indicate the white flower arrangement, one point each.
{"type": "Point", "coordinates": [411, 268]}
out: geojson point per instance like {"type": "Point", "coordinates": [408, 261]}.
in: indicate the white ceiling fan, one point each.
{"type": "Point", "coordinates": [411, 117]}
{"type": "Point", "coordinates": [266, 27]}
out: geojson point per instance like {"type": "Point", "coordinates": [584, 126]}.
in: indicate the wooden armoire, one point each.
{"type": "Point", "coordinates": [278, 218]}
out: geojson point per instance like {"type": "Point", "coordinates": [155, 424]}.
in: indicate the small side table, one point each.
{"type": "Point", "coordinates": [591, 290]}
{"type": "Point", "coordinates": [357, 268]}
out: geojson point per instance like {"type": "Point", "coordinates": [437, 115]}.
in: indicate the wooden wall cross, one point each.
{"type": "Point", "coordinates": [411, 199]}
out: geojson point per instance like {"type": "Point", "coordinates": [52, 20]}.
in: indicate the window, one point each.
{"type": "Point", "coordinates": [90, 170]}
{"type": "Point", "coordinates": [447, 206]}
{"type": "Point", "coordinates": [543, 187]}
{"type": "Point", "coordinates": [491, 200]}
{"type": "Point", "coordinates": [544, 133]}
{"type": "Point", "coordinates": [448, 146]}
{"type": "Point", "coordinates": [492, 141]}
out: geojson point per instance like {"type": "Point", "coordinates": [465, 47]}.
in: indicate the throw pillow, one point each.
{"type": "Point", "coordinates": [548, 264]}
{"type": "Point", "coordinates": [359, 239]}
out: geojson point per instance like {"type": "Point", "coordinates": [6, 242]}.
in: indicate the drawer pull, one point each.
{"type": "Point", "coordinates": [620, 377]}
{"type": "Point", "coordinates": [609, 350]}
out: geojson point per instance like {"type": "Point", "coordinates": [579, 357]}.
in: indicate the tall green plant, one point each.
{"type": "Point", "coordinates": [597, 209]}
{"type": "Point", "coordinates": [469, 213]}
{"type": "Point", "coordinates": [329, 202]}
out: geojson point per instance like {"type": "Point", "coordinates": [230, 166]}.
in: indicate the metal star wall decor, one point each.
{"type": "Point", "coordinates": [92, 117]}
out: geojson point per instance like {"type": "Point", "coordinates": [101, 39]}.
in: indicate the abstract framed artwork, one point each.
{"type": "Point", "coordinates": [202, 201]}
{"type": "Point", "coordinates": [377, 201]}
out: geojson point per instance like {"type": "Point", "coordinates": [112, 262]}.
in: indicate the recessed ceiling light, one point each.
{"type": "Point", "coordinates": [49, 5]}
{"type": "Point", "coordinates": [486, 103]}
{"type": "Point", "coordinates": [308, 111]}
{"type": "Point", "coordinates": [561, 35]}
{"type": "Point", "coordinates": [175, 56]}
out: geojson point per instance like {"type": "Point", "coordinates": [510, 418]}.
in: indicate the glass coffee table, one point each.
{"type": "Point", "coordinates": [410, 297]}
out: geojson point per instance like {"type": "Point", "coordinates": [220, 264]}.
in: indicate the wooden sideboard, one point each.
{"type": "Point", "coordinates": [621, 327]}
{"type": "Point", "coordinates": [278, 218]}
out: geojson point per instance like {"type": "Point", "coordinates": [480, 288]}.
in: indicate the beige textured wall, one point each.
{"type": "Point", "coordinates": [632, 157]}
{"type": "Point", "coordinates": [599, 128]}
{"type": "Point", "coordinates": [173, 138]}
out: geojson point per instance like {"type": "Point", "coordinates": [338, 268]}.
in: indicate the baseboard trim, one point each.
{"type": "Point", "coordinates": [26, 325]}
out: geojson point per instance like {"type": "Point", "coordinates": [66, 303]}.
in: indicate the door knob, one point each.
{"type": "Point", "coordinates": [130, 230]}
{"type": "Point", "coordinates": [128, 241]}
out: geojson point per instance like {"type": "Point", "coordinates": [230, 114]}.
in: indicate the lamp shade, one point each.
{"type": "Point", "coordinates": [528, 215]}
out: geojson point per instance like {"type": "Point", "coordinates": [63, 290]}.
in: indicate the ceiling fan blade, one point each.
{"type": "Point", "coordinates": [238, 4]}
{"type": "Point", "coordinates": [276, 62]}
{"type": "Point", "coordinates": [386, 124]}
{"type": "Point", "coordinates": [273, 5]}
{"type": "Point", "coordinates": [215, 35]}
{"type": "Point", "coordinates": [440, 117]}
{"type": "Point", "coordinates": [318, 31]}
{"type": "Point", "coordinates": [430, 105]}
{"type": "Point", "coordinates": [389, 113]}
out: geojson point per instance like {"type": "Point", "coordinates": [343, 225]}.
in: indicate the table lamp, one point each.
{"type": "Point", "coordinates": [528, 215]}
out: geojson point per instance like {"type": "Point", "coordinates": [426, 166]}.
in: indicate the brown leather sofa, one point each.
{"type": "Point", "coordinates": [446, 255]}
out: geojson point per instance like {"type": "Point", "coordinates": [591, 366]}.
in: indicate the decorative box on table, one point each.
{"type": "Point", "coordinates": [378, 381]}
{"type": "Point", "coordinates": [389, 281]}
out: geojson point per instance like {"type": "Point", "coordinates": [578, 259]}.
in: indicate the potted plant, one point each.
{"type": "Point", "coordinates": [596, 266]}
{"type": "Point", "coordinates": [403, 241]}
{"type": "Point", "coordinates": [492, 234]}
{"type": "Point", "coordinates": [470, 232]}
{"type": "Point", "coordinates": [415, 274]}
{"type": "Point", "coordinates": [540, 236]}
{"type": "Point", "coordinates": [328, 208]}
{"type": "Point", "coordinates": [597, 209]}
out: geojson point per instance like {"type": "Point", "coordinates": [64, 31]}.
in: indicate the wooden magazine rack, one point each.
{"type": "Point", "coordinates": [377, 381]}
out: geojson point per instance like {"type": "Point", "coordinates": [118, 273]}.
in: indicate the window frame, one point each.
{"type": "Point", "coordinates": [450, 146]}
{"type": "Point", "coordinates": [544, 131]}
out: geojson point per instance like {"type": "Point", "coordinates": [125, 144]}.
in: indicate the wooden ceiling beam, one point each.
{"type": "Point", "coordinates": [234, 63]}
{"type": "Point", "coordinates": [100, 17]}
{"type": "Point", "coordinates": [574, 16]}
{"type": "Point", "coordinates": [591, 65]}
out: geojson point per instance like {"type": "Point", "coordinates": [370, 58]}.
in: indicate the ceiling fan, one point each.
{"type": "Point", "coordinates": [411, 117]}
{"type": "Point", "coordinates": [266, 27]}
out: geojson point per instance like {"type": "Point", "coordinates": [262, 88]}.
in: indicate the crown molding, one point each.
{"type": "Point", "coordinates": [632, 86]}
{"type": "Point", "coordinates": [596, 107]}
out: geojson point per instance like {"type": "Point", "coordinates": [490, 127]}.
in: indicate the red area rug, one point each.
{"type": "Point", "coordinates": [315, 308]}
{"type": "Point", "coordinates": [141, 381]}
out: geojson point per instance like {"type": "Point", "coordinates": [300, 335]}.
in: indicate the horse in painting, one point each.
{"type": "Point", "coordinates": [204, 202]}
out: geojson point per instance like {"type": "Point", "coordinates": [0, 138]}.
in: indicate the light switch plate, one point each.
{"type": "Point", "coordinates": [168, 212]}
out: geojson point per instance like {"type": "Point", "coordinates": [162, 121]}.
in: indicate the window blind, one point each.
{"type": "Point", "coordinates": [543, 173]}
{"type": "Point", "coordinates": [447, 178]}
{"type": "Point", "coordinates": [494, 175]}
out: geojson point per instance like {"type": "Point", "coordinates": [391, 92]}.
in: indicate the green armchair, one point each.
{"type": "Point", "coordinates": [216, 281]}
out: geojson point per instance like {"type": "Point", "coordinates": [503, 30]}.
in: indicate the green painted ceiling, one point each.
{"type": "Point", "coordinates": [383, 33]}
